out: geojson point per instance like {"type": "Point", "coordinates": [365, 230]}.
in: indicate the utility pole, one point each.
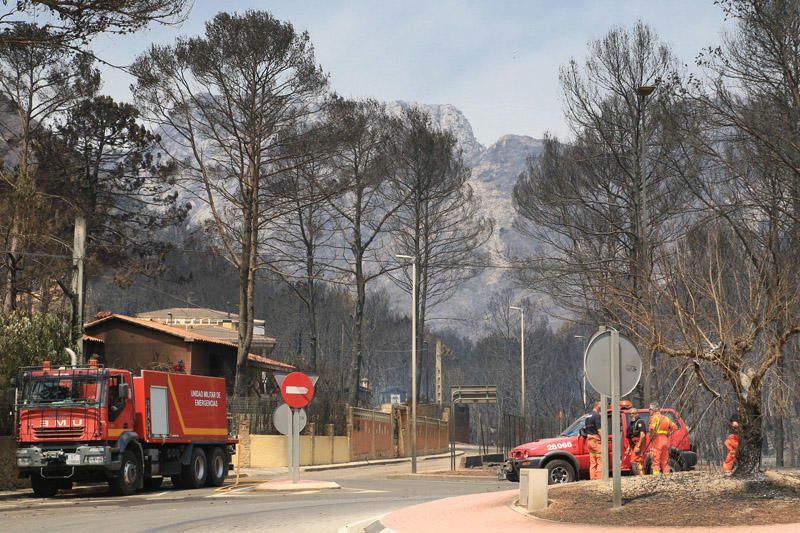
{"type": "Point", "coordinates": [583, 388]}
{"type": "Point", "coordinates": [522, 359]}
{"type": "Point", "coordinates": [439, 372]}
{"type": "Point", "coordinates": [78, 265]}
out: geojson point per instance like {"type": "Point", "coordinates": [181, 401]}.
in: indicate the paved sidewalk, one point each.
{"type": "Point", "coordinates": [480, 513]}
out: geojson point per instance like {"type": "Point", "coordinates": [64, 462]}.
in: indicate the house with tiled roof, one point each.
{"type": "Point", "coordinates": [222, 325]}
{"type": "Point", "coordinates": [137, 343]}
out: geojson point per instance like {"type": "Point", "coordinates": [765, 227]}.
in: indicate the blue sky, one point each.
{"type": "Point", "coordinates": [496, 61]}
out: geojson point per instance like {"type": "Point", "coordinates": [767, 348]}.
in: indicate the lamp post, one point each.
{"type": "Point", "coordinates": [413, 360]}
{"type": "Point", "coordinates": [583, 390]}
{"type": "Point", "coordinates": [522, 358]}
{"type": "Point", "coordinates": [643, 265]}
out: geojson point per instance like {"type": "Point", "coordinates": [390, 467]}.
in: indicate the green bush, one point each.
{"type": "Point", "coordinates": [27, 340]}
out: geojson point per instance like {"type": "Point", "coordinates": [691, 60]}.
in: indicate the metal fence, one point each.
{"type": "Point", "coordinates": [258, 413]}
{"type": "Point", "coordinates": [516, 429]}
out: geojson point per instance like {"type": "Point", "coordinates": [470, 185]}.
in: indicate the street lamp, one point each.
{"type": "Point", "coordinates": [522, 358]}
{"type": "Point", "coordinates": [643, 261]}
{"type": "Point", "coordinates": [583, 390]}
{"type": "Point", "coordinates": [413, 360]}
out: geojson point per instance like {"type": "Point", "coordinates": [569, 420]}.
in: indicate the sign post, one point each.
{"type": "Point", "coordinates": [616, 438]}
{"type": "Point", "coordinates": [297, 390]}
{"type": "Point", "coordinates": [466, 394]}
{"type": "Point", "coordinates": [613, 367]}
{"type": "Point", "coordinates": [604, 435]}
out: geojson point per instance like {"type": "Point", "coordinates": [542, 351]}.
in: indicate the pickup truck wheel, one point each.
{"type": "Point", "coordinates": [217, 467]}
{"type": "Point", "coordinates": [193, 475]}
{"type": "Point", "coordinates": [559, 471]}
{"type": "Point", "coordinates": [43, 488]}
{"type": "Point", "coordinates": [127, 479]}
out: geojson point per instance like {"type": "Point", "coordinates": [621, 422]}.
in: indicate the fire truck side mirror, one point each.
{"type": "Point", "coordinates": [123, 390]}
{"type": "Point", "coordinates": [13, 382]}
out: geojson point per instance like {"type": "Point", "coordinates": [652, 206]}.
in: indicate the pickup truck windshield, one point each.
{"type": "Point", "coordinates": [62, 390]}
{"type": "Point", "coordinates": [574, 429]}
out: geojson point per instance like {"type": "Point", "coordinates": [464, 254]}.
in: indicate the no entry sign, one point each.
{"type": "Point", "coordinates": [297, 390]}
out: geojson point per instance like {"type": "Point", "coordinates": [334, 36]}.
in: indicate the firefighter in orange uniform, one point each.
{"type": "Point", "coordinates": [661, 427]}
{"type": "Point", "coordinates": [732, 444]}
{"type": "Point", "coordinates": [637, 436]}
{"type": "Point", "coordinates": [592, 429]}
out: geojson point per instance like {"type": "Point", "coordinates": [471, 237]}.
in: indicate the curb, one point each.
{"type": "Point", "coordinates": [443, 477]}
{"type": "Point", "coordinates": [357, 464]}
{"type": "Point", "coordinates": [369, 525]}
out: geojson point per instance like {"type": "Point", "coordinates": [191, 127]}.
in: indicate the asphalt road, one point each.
{"type": "Point", "coordinates": [366, 493]}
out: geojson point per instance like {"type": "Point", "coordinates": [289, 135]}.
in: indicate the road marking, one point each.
{"type": "Point", "coordinates": [365, 491]}
{"type": "Point", "coordinates": [159, 494]}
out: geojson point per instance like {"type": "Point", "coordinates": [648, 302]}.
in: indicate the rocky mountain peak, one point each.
{"type": "Point", "coordinates": [447, 117]}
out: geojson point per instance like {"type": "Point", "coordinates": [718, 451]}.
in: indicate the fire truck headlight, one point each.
{"type": "Point", "coordinates": [24, 461]}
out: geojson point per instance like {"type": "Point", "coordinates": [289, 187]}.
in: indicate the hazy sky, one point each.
{"type": "Point", "coordinates": [497, 61]}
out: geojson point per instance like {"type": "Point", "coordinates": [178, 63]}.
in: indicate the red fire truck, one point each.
{"type": "Point", "coordinates": [90, 423]}
{"type": "Point", "coordinates": [566, 457]}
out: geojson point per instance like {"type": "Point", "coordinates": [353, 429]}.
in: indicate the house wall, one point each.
{"type": "Point", "coordinates": [134, 347]}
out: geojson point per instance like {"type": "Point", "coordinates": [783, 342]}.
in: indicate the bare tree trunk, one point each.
{"type": "Point", "coordinates": [312, 308]}
{"type": "Point", "coordinates": [247, 268]}
{"type": "Point", "coordinates": [10, 301]}
{"type": "Point", "coordinates": [358, 318]}
{"type": "Point", "coordinates": [748, 455]}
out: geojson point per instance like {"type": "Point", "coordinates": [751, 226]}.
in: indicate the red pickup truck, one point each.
{"type": "Point", "coordinates": [566, 457]}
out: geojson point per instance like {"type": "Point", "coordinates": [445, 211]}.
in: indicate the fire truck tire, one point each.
{"type": "Point", "coordinates": [193, 475]}
{"type": "Point", "coordinates": [43, 488]}
{"type": "Point", "coordinates": [126, 481]}
{"type": "Point", "coordinates": [217, 467]}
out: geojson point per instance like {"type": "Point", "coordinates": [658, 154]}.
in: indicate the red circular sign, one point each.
{"type": "Point", "coordinates": [297, 390]}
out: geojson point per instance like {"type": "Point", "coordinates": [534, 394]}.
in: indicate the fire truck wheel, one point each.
{"type": "Point", "coordinates": [126, 481]}
{"type": "Point", "coordinates": [217, 467]}
{"type": "Point", "coordinates": [193, 475]}
{"type": "Point", "coordinates": [43, 488]}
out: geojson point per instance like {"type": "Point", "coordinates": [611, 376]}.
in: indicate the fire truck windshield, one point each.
{"type": "Point", "coordinates": [62, 390]}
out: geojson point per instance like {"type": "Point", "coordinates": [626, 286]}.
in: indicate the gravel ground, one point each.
{"type": "Point", "coordinates": [681, 499]}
